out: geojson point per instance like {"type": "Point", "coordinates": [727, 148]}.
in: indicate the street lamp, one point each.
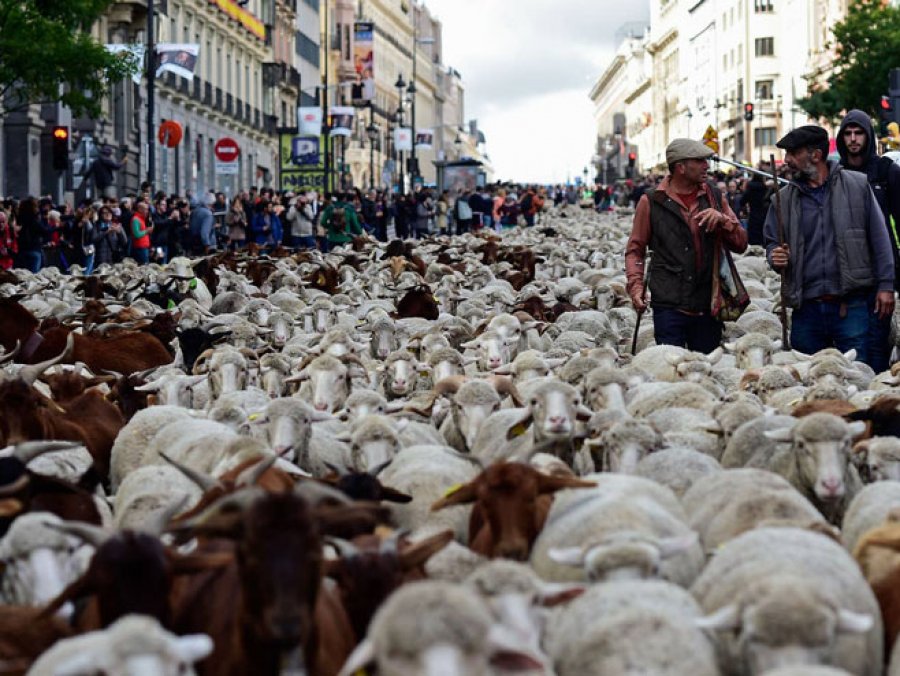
{"type": "Point", "coordinates": [400, 85]}
{"type": "Point", "coordinates": [372, 131]}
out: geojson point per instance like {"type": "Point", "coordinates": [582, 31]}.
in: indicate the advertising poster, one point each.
{"type": "Point", "coordinates": [177, 58]}
{"type": "Point", "coordinates": [364, 62]}
{"type": "Point", "coordinates": [302, 162]}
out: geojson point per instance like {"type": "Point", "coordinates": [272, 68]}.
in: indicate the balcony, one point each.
{"type": "Point", "coordinates": [183, 85]}
{"type": "Point", "coordinates": [207, 93]}
{"type": "Point", "coordinates": [293, 77]}
{"type": "Point", "coordinates": [229, 104]}
{"type": "Point", "coordinates": [256, 118]}
{"type": "Point", "coordinates": [271, 124]}
{"type": "Point", "coordinates": [273, 73]}
{"type": "Point", "coordinates": [238, 110]}
{"type": "Point", "coordinates": [217, 104]}
{"type": "Point", "coordinates": [248, 112]}
{"type": "Point", "coordinates": [197, 90]}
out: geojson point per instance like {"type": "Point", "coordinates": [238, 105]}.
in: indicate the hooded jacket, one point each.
{"type": "Point", "coordinates": [883, 175]}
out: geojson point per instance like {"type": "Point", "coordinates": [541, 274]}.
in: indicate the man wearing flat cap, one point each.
{"type": "Point", "coordinates": [681, 221]}
{"type": "Point", "coordinates": [836, 255]}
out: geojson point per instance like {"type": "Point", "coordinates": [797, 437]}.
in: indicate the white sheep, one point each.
{"type": "Point", "coordinates": [787, 596]}
{"type": "Point", "coordinates": [878, 459]}
{"type": "Point", "coordinates": [677, 468]}
{"type": "Point", "coordinates": [131, 443]}
{"type": "Point", "coordinates": [869, 508]}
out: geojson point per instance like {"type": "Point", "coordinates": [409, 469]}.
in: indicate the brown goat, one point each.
{"type": "Point", "coordinates": [876, 552]}
{"type": "Point", "coordinates": [512, 501]}
{"type": "Point", "coordinates": [418, 302]}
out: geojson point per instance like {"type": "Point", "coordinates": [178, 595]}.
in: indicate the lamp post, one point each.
{"type": "Point", "coordinates": [400, 84]}
{"type": "Point", "coordinates": [458, 145]}
{"type": "Point", "coordinates": [414, 168]}
{"type": "Point", "coordinates": [372, 132]}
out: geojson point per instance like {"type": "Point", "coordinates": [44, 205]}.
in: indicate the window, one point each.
{"type": "Point", "coordinates": [764, 136]}
{"type": "Point", "coordinates": [208, 57]}
{"type": "Point", "coordinates": [764, 90]}
{"type": "Point", "coordinates": [765, 46]}
{"type": "Point", "coordinates": [307, 49]}
{"type": "Point", "coordinates": [724, 61]}
{"type": "Point", "coordinates": [313, 3]}
{"type": "Point", "coordinates": [762, 6]}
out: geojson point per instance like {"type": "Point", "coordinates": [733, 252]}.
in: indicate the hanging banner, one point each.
{"type": "Point", "coordinates": [364, 62]}
{"type": "Point", "coordinates": [403, 138]}
{"type": "Point", "coordinates": [134, 52]}
{"type": "Point", "coordinates": [424, 139]}
{"type": "Point", "coordinates": [309, 120]}
{"type": "Point", "coordinates": [236, 11]}
{"type": "Point", "coordinates": [341, 120]}
{"type": "Point", "coordinates": [180, 58]}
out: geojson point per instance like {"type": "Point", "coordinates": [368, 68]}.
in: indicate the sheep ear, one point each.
{"type": "Point", "coordinates": [850, 355]}
{"type": "Point", "coordinates": [857, 428]}
{"type": "Point", "coordinates": [401, 424]}
{"type": "Point", "coordinates": [672, 359]}
{"type": "Point", "coordinates": [675, 545]}
{"type": "Point", "coordinates": [551, 484]}
{"type": "Point", "coordinates": [361, 657]}
{"type": "Point", "coordinates": [457, 495]}
{"type": "Point", "coordinates": [344, 437]}
{"type": "Point", "coordinates": [784, 434]}
{"type": "Point", "coordinates": [714, 356]}
{"type": "Point", "coordinates": [860, 452]}
{"type": "Point", "coordinates": [725, 618]}
{"type": "Point", "coordinates": [192, 648]}
{"type": "Point", "coordinates": [854, 623]}
{"type": "Point", "coordinates": [800, 356]}
{"type": "Point", "coordinates": [557, 593]}
{"type": "Point", "coordinates": [520, 427]}
{"type": "Point", "coordinates": [583, 413]}
{"type": "Point", "coordinates": [567, 556]}
{"type": "Point", "coordinates": [418, 554]}
{"type": "Point", "coordinates": [776, 344]}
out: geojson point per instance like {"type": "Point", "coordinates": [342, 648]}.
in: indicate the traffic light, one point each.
{"type": "Point", "coordinates": [748, 112]}
{"type": "Point", "coordinates": [885, 114]}
{"type": "Point", "coordinates": [60, 148]}
{"type": "Point", "coordinates": [632, 158]}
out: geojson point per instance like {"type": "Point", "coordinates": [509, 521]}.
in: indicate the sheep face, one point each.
{"type": "Point", "coordinates": [383, 341]}
{"type": "Point", "coordinates": [330, 386]}
{"type": "Point", "coordinates": [173, 390]}
{"type": "Point", "coordinates": [554, 409]}
{"type": "Point", "coordinates": [786, 623]}
{"type": "Point", "coordinates": [491, 350]}
{"type": "Point", "coordinates": [374, 442]}
{"type": "Point", "coordinates": [878, 459]}
{"type": "Point", "coordinates": [287, 426]}
{"type": "Point", "coordinates": [273, 383]}
{"type": "Point", "coordinates": [401, 376]}
{"type": "Point", "coordinates": [282, 328]}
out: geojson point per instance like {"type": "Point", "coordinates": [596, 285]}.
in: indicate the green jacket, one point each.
{"type": "Point", "coordinates": [351, 221]}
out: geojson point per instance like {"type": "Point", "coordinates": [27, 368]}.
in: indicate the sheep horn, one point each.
{"type": "Point", "coordinates": [314, 492]}
{"type": "Point", "coordinates": [29, 450]}
{"type": "Point", "coordinates": [9, 356]}
{"type": "Point", "coordinates": [251, 475]}
{"type": "Point", "coordinates": [30, 373]}
{"type": "Point", "coordinates": [375, 471]}
{"type": "Point", "coordinates": [204, 481]}
{"type": "Point", "coordinates": [91, 534]}
{"type": "Point", "coordinates": [506, 386]}
{"type": "Point", "coordinates": [156, 525]}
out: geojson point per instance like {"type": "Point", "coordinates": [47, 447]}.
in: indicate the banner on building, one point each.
{"type": "Point", "coordinates": [403, 138]}
{"type": "Point", "coordinates": [135, 53]}
{"type": "Point", "coordinates": [309, 120]}
{"type": "Point", "coordinates": [424, 139]}
{"type": "Point", "coordinates": [178, 58]}
{"type": "Point", "coordinates": [364, 62]}
{"type": "Point", "coordinates": [302, 162]}
{"type": "Point", "coordinates": [235, 10]}
{"type": "Point", "coordinates": [341, 120]}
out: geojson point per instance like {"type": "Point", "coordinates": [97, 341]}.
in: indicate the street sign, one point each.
{"type": "Point", "coordinates": [226, 168]}
{"type": "Point", "coordinates": [711, 139]}
{"type": "Point", "coordinates": [226, 149]}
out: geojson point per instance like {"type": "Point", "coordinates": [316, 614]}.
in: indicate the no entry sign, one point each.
{"type": "Point", "coordinates": [226, 150]}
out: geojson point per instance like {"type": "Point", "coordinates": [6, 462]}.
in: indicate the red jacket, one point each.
{"type": "Point", "coordinates": [139, 232]}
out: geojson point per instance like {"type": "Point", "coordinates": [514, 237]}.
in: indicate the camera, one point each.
{"type": "Point", "coordinates": [104, 226]}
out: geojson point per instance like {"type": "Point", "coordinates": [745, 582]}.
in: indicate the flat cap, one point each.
{"type": "Point", "coordinates": [803, 137]}
{"type": "Point", "coordinates": [686, 149]}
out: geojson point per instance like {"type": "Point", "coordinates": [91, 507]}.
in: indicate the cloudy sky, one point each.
{"type": "Point", "coordinates": [528, 67]}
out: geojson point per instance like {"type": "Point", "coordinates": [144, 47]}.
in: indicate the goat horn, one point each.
{"type": "Point", "coordinates": [204, 481]}
{"type": "Point", "coordinates": [251, 475]}
{"type": "Point", "coordinates": [506, 386]}
{"type": "Point", "coordinates": [29, 450]}
{"type": "Point", "coordinates": [391, 545]}
{"type": "Point", "coordinates": [156, 525]}
{"type": "Point", "coordinates": [9, 356]}
{"type": "Point", "coordinates": [30, 373]}
{"type": "Point", "coordinates": [340, 471]}
{"type": "Point", "coordinates": [345, 548]}
{"type": "Point", "coordinates": [375, 471]}
{"type": "Point", "coordinates": [91, 534]}
{"type": "Point", "coordinates": [314, 492]}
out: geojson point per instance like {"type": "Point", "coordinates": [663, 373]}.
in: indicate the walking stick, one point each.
{"type": "Point", "coordinates": [779, 219]}
{"type": "Point", "coordinates": [640, 313]}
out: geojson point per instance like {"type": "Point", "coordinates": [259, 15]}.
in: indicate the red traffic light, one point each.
{"type": "Point", "coordinates": [632, 156]}
{"type": "Point", "coordinates": [886, 103]}
{"type": "Point", "coordinates": [748, 107]}
{"type": "Point", "coordinates": [61, 133]}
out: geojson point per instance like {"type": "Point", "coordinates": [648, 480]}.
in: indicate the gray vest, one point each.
{"type": "Point", "coordinates": [846, 210]}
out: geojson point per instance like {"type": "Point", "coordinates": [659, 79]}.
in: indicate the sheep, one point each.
{"type": "Point", "coordinates": [877, 459]}
{"type": "Point", "coordinates": [607, 630]}
{"type": "Point", "coordinates": [399, 374]}
{"type": "Point", "coordinates": [548, 422]}
{"type": "Point", "coordinates": [490, 349]}
{"type": "Point", "coordinates": [131, 645]}
{"type": "Point", "coordinates": [575, 370]}
{"type": "Point", "coordinates": [732, 415]}
{"type": "Point", "coordinates": [753, 350]}
{"type": "Point", "coordinates": [330, 382]}
{"type": "Point", "coordinates": [436, 627]}
{"type": "Point", "coordinates": [427, 473]}
{"type": "Point", "coordinates": [627, 527]}
{"type": "Point", "coordinates": [131, 443]}
{"type": "Point", "coordinates": [677, 468]}
{"type": "Point", "coordinates": [286, 425]}
{"type": "Point", "coordinates": [471, 403]}
{"type": "Point", "coordinates": [818, 462]}
{"type": "Point", "coordinates": [274, 369]}
{"type": "Point", "coordinates": [660, 361]}
{"type": "Point", "coordinates": [870, 508]}
{"type": "Point", "coordinates": [374, 441]}
{"type": "Point", "coordinates": [749, 445]}
{"type": "Point", "coordinates": [650, 397]}
{"type": "Point", "coordinates": [690, 428]}
{"type": "Point", "coordinates": [147, 492]}
{"type": "Point", "coordinates": [446, 362]}
{"type": "Point", "coordinates": [760, 321]}
{"type": "Point", "coordinates": [39, 560]}
{"type": "Point", "coordinates": [737, 500]}
{"type": "Point", "coordinates": [623, 445]}
{"type": "Point", "coordinates": [528, 365]}
{"type": "Point", "coordinates": [786, 596]}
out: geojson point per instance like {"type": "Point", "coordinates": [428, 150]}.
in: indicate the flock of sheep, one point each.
{"type": "Point", "coordinates": [731, 513]}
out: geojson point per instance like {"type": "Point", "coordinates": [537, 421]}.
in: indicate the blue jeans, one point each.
{"type": "Point", "coordinates": [142, 256]}
{"type": "Point", "coordinates": [699, 333]}
{"type": "Point", "coordinates": [89, 264]}
{"type": "Point", "coordinates": [879, 343]}
{"type": "Point", "coordinates": [303, 241]}
{"type": "Point", "coordinates": [818, 324]}
{"type": "Point", "coordinates": [31, 259]}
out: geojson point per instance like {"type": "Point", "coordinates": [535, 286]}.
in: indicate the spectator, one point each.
{"type": "Point", "coordinates": [266, 226]}
{"type": "Point", "coordinates": [84, 235]}
{"type": "Point", "coordinates": [141, 228]}
{"type": "Point", "coordinates": [103, 169]}
{"type": "Point", "coordinates": [300, 221]}
{"type": "Point", "coordinates": [109, 238]}
{"type": "Point", "coordinates": [236, 220]}
{"type": "Point", "coordinates": [462, 213]}
{"type": "Point", "coordinates": [32, 235]}
{"type": "Point", "coordinates": [203, 226]}
{"type": "Point", "coordinates": [8, 241]}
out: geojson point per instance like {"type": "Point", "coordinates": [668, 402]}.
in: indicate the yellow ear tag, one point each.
{"type": "Point", "coordinates": [252, 417]}
{"type": "Point", "coordinates": [320, 279]}
{"type": "Point", "coordinates": [518, 430]}
{"type": "Point", "coordinates": [450, 491]}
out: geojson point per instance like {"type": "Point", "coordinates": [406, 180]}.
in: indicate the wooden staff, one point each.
{"type": "Point", "coordinates": [779, 219]}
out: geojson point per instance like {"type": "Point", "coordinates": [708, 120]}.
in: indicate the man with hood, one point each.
{"type": "Point", "coordinates": [103, 170]}
{"type": "Point", "coordinates": [836, 250]}
{"type": "Point", "coordinates": [857, 145]}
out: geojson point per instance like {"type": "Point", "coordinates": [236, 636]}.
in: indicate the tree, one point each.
{"type": "Point", "coordinates": [47, 54]}
{"type": "Point", "coordinates": [867, 46]}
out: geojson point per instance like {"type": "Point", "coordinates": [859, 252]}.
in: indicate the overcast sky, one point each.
{"type": "Point", "coordinates": [528, 67]}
